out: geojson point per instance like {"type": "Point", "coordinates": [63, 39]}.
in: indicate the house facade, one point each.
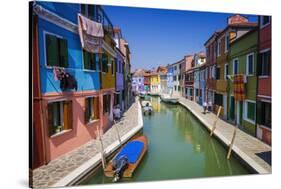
{"type": "Point", "coordinates": [176, 78]}
{"type": "Point", "coordinates": [199, 84]}
{"type": "Point", "coordinates": [138, 81]}
{"type": "Point", "coordinates": [170, 82]}
{"type": "Point", "coordinates": [264, 80]}
{"type": "Point", "coordinates": [147, 81]}
{"type": "Point", "coordinates": [73, 87]}
{"type": "Point", "coordinates": [162, 71]}
{"type": "Point", "coordinates": [155, 85]}
{"type": "Point", "coordinates": [237, 26]}
{"type": "Point", "coordinates": [243, 60]}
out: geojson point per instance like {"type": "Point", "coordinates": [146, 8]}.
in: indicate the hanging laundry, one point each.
{"type": "Point", "coordinates": [91, 34]}
{"type": "Point", "coordinates": [239, 87]}
{"type": "Point", "coordinates": [67, 81]}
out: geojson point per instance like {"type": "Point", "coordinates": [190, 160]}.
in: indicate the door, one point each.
{"type": "Point", "coordinates": [224, 105]}
{"type": "Point", "coordinates": [231, 113]}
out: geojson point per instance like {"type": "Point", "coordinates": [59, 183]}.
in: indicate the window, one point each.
{"type": "Point", "coordinates": [175, 88]}
{"type": "Point", "coordinates": [196, 92]}
{"type": "Point", "coordinates": [175, 68]}
{"type": "Point", "coordinates": [106, 103]}
{"type": "Point", "coordinates": [219, 48]}
{"type": "Point", "coordinates": [225, 71]}
{"type": "Point", "coordinates": [91, 109]}
{"type": "Point", "coordinates": [235, 66]}
{"type": "Point", "coordinates": [250, 111]}
{"type": "Point", "coordinates": [218, 73]}
{"type": "Point", "coordinates": [88, 10]}
{"type": "Point", "coordinates": [250, 64]}
{"type": "Point", "coordinates": [104, 63]}
{"type": "Point", "coordinates": [179, 77]}
{"type": "Point", "coordinates": [59, 117]}
{"type": "Point", "coordinates": [265, 61]}
{"type": "Point", "coordinates": [90, 60]}
{"type": "Point", "coordinates": [218, 99]}
{"type": "Point", "coordinates": [190, 92]}
{"type": "Point", "coordinates": [179, 88]}
{"type": "Point", "coordinates": [213, 72]}
{"type": "Point", "coordinates": [180, 66]}
{"type": "Point", "coordinates": [265, 20]}
{"type": "Point", "coordinates": [226, 43]}
{"type": "Point", "coordinates": [56, 51]}
{"type": "Point", "coordinates": [264, 113]}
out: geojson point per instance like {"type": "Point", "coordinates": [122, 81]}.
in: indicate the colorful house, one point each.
{"type": "Point", "coordinates": [170, 83]}
{"type": "Point", "coordinates": [176, 78]}
{"type": "Point", "coordinates": [147, 81]}
{"type": "Point", "coordinates": [138, 81]}
{"type": "Point", "coordinates": [264, 80]}
{"type": "Point", "coordinates": [211, 58]}
{"type": "Point", "coordinates": [185, 65]}
{"type": "Point", "coordinates": [243, 60]}
{"type": "Point", "coordinates": [237, 26]}
{"type": "Point", "coordinates": [199, 87]}
{"type": "Point", "coordinates": [125, 49]}
{"type": "Point", "coordinates": [155, 82]}
{"type": "Point", "coordinates": [73, 88]}
{"type": "Point", "coordinates": [189, 82]}
{"type": "Point", "coordinates": [119, 71]}
{"type": "Point", "coordinates": [162, 71]}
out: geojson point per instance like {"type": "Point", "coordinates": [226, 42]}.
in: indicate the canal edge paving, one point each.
{"type": "Point", "coordinates": [249, 157]}
{"type": "Point", "coordinates": [71, 167]}
{"type": "Point", "coordinates": [85, 168]}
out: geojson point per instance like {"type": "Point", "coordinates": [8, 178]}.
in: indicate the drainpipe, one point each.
{"type": "Point", "coordinates": [257, 74]}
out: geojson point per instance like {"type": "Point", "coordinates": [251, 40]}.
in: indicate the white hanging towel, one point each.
{"type": "Point", "coordinates": [91, 34]}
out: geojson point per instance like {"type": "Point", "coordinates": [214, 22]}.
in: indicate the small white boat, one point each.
{"type": "Point", "coordinates": [167, 98]}
{"type": "Point", "coordinates": [146, 107]}
{"type": "Point", "coordinates": [142, 94]}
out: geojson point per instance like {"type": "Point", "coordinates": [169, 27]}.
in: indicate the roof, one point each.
{"type": "Point", "coordinates": [139, 72]}
{"type": "Point", "coordinates": [243, 36]}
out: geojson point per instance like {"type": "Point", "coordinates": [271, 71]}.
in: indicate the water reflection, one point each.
{"type": "Point", "coordinates": [179, 147]}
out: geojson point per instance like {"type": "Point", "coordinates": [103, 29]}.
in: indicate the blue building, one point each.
{"type": "Point", "coordinates": [170, 81]}
{"type": "Point", "coordinates": [69, 103]}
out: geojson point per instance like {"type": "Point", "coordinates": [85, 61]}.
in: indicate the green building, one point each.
{"type": "Point", "coordinates": [243, 60]}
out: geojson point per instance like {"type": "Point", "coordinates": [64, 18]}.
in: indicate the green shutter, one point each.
{"type": "Point", "coordinates": [63, 53]}
{"type": "Point", "coordinates": [86, 60]}
{"type": "Point", "coordinates": [93, 61]}
{"type": "Point", "coordinates": [251, 111]}
{"type": "Point", "coordinates": [52, 50]}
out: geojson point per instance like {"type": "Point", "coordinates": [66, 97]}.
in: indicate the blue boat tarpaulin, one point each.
{"type": "Point", "coordinates": [132, 150]}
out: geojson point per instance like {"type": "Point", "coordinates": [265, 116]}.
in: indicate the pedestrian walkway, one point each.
{"type": "Point", "coordinates": [245, 145]}
{"type": "Point", "coordinates": [62, 170]}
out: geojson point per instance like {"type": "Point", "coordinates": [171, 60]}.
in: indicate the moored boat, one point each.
{"type": "Point", "coordinates": [169, 99]}
{"type": "Point", "coordinates": [146, 107]}
{"type": "Point", "coordinates": [127, 159]}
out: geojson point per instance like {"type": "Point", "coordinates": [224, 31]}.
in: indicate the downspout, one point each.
{"type": "Point", "coordinates": [257, 74]}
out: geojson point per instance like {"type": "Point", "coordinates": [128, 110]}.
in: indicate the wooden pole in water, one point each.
{"type": "Point", "coordinates": [232, 142]}
{"type": "Point", "coordinates": [102, 150]}
{"type": "Point", "coordinates": [215, 122]}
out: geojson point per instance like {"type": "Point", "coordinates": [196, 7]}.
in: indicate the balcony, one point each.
{"type": "Point", "coordinates": [221, 85]}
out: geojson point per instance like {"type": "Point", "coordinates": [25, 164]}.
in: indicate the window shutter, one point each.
{"type": "Point", "coordinates": [87, 112]}
{"type": "Point", "coordinates": [93, 61]}
{"type": "Point", "coordinates": [50, 118]}
{"type": "Point", "coordinates": [86, 59]}
{"type": "Point", "coordinates": [67, 115]}
{"type": "Point", "coordinates": [63, 53]}
{"type": "Point", "coordinates": [52, 50]}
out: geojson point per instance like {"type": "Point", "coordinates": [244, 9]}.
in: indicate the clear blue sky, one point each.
{"type": "Point", "coordinates": [158, 36]}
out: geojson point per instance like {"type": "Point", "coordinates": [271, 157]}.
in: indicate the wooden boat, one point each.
{"type": "Point", "coordinates": [146, 107]}
{"type": "Point", "coordinates": [134, 150]}
{"type": "Point", "coordinates": [169, 99]}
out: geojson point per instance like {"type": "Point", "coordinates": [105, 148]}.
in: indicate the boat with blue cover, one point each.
{"type": "Point", "coordinates": [127, 159]}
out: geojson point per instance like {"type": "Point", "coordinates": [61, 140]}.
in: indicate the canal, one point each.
{"type": "Point", "coordinates": [179, 147]}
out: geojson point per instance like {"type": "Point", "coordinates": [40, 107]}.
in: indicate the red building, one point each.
{"type": "Point", "coordinates": [189, 82]}
{"type": "Point", "coordinates": [211, 49]}
{"type": "Point", "coordinates": [147, 81]}
{"type": "Point", "coordinates": [264, 81]}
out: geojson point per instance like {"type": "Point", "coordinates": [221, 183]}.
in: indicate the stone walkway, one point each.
{"type": "Point", "coordinates": [48, 175]}
{"type": "Point", "coordinates": [245, 145]}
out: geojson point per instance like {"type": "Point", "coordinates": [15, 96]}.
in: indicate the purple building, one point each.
{"type": "Point", "coordinates": [138, 81]}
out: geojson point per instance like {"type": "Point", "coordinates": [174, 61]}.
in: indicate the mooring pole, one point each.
{"type": "Point", "coordinates": [102, 150]}
{"type": "Point", "coordinates": [215, 122]}
{"type": "Point", "coordinates": [232, 142]}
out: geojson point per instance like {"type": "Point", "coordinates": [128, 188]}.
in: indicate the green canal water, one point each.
{"type": "Point", "coordinates": [179, 148]}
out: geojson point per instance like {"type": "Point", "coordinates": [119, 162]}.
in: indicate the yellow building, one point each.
{"type": "Point", "coordinates": [154, 82]}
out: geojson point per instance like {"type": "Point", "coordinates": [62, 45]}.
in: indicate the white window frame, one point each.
{"type": "Point", "coordinates": [233, 67]}
{"type": "Point", "coordinates": [45, 48]}
{"type": "Point", "coordinates": [219, 48]}
{"type": "Point", "coordinates": [225, 75]}
{"type": "Point", "coordinates": [247, 64]}
{"type": "Point", "coordinates": [245, 110]}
